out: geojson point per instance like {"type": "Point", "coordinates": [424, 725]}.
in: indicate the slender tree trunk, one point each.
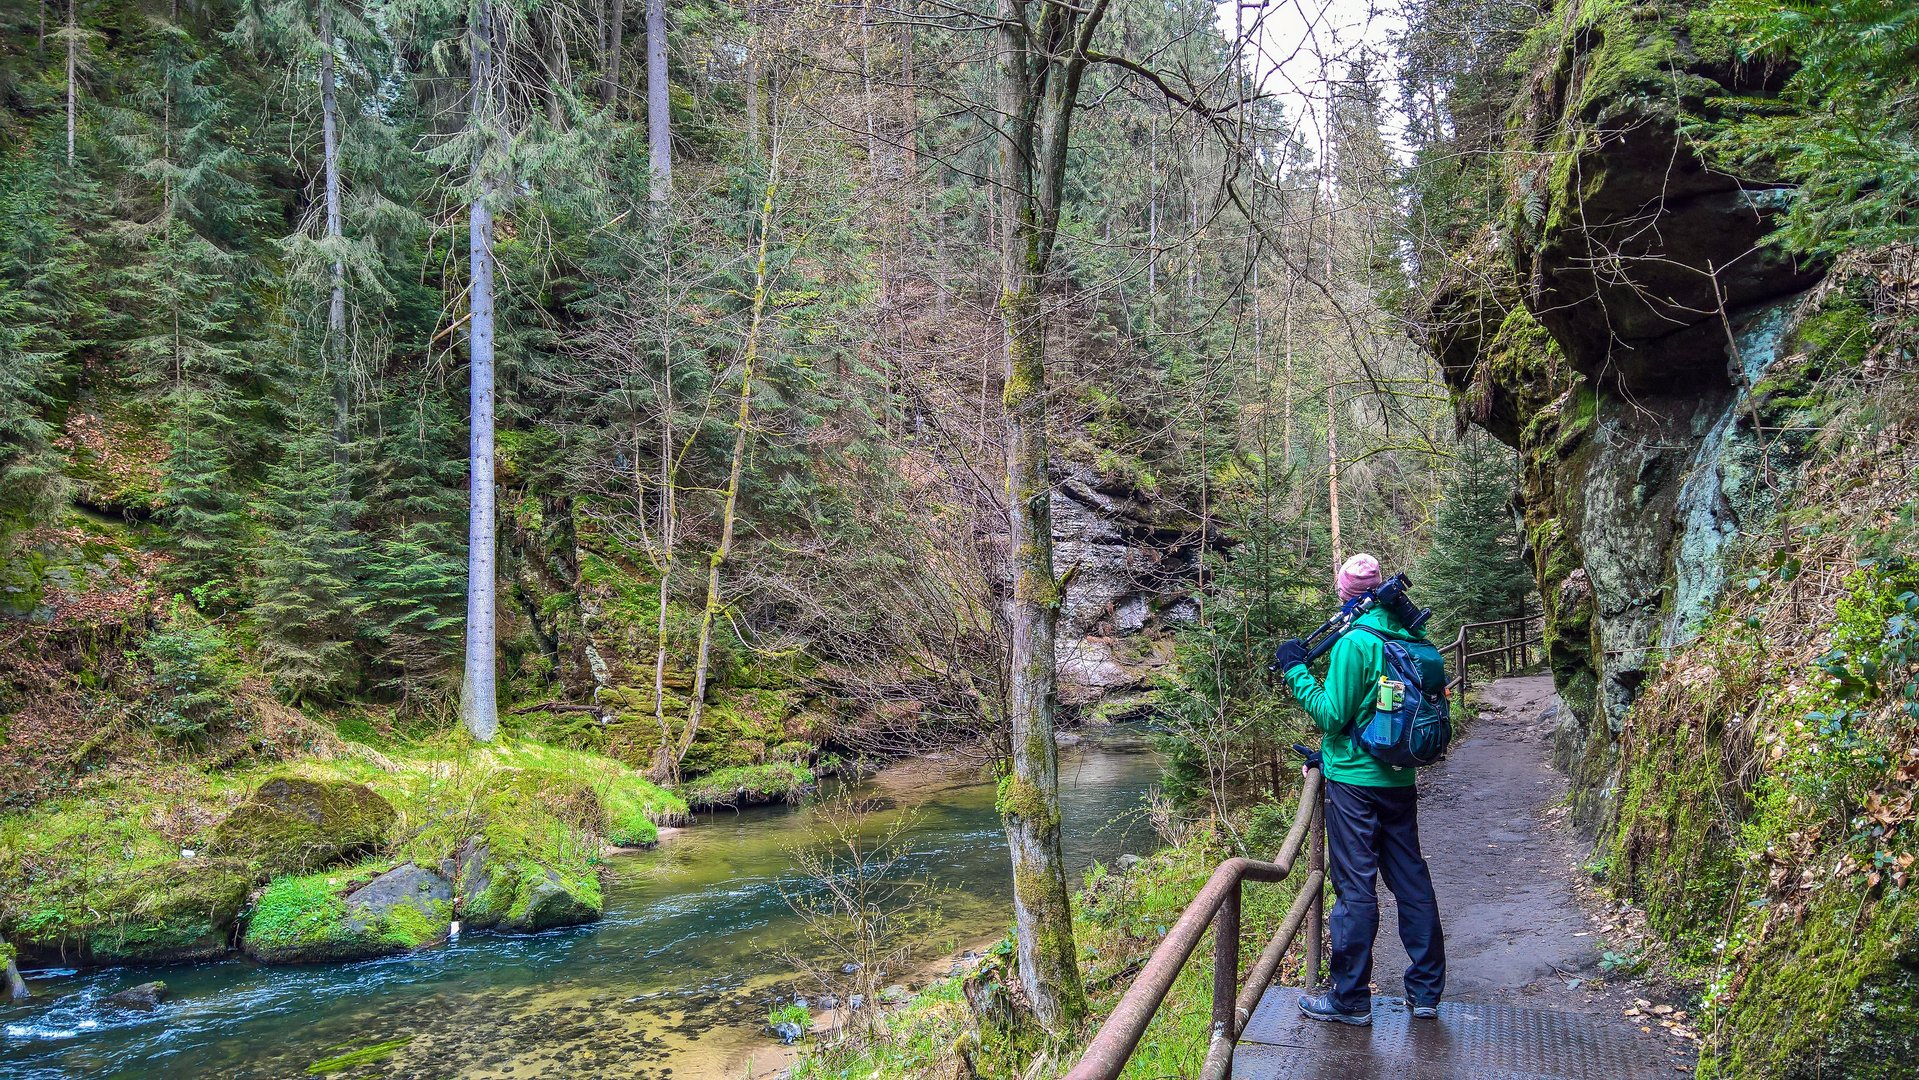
{"type": "Point", "coordinates": [336, 299]}
{"type": "Point", "coordinates": [753, 78]}
{"type": "Point", "coordinates": [669, 519]}
{"type": "Point", "coordinates": [1286, 341]}
{"type": "Point", "coordinates": [729, 511]}
{"type": "Point", "coordinates": [73, 65]}
{"type": "Point", "coordinates": [659, 133]}
{"type": "Point", "coordinates": [615, 46]}
{"type": "Point", "coordinates": [1036, 112]}
{"type": "Point", "coordinates": [1152, 216]}
{"type": "Point", "coordinates": [478, 705]}
{"type": "Point", "coordinates": [1332, 467]}
{"type": "Point", "coordinates": [866, 90]}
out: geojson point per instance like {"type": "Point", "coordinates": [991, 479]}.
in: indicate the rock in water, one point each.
{"type": "Point", "coordinates": [788, 1031]}
{"type": "Point", "coordinates": [520, 894]}
{"type": "Point", "coordinates": [293, 825]}
{"type": "Point", "coordinates": [147, 995]}
{"type": "Point", "coordinates": [305, 919]}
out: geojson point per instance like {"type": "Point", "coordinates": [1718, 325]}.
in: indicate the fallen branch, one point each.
{"type": "Point", "coordinates": [556, 706]}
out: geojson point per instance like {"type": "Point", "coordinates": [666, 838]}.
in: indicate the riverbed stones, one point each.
{"type": "Point", "coordinates": [293, 824]}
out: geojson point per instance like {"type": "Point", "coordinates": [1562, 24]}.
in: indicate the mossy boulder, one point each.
{"type": "Point", "coordinates": [161, 913]}
{"type": "Point", "coordinates": [171, 912]}
{"type": "Point", "coordinates": [504, 884]}
{"type": "Point", "coordinates": [331, 917]}
{"type": "Point", "coordinates": [750, 785]}
{"type": "Point", "coordinates": [292, 825]}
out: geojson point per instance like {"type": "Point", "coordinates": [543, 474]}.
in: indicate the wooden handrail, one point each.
{"type": "Point", "coordinates": [1217, 905]}
{"type": "Point", "coordinates": [1519, 635]}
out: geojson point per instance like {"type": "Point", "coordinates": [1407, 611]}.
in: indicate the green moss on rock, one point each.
{"type": "Point", "coordinates": [1830, 991]}
{"type": "Point", "coordinates": [293, 824]}
{"type": "Point", "coordinates": [349, 915]}
{"type": "Point", "coordinates": [749, 785]}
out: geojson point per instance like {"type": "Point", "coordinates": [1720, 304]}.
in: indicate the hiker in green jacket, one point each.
{"type": "Point", "coordinates": [1372, 819]}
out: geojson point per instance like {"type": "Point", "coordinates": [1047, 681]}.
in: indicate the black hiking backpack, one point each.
{"type": "Point", "coordinates": [1412, 719]}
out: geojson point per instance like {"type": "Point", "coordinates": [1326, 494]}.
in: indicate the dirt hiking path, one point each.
{"type": "Point", "coordinates": [1492, 824]}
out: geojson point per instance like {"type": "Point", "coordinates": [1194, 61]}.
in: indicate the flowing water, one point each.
{"type": "Point", "coordinates": [673, 982]}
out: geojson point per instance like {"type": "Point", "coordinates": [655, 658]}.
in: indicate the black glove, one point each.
{"type": "Point", "coordinates": [1290, 654]}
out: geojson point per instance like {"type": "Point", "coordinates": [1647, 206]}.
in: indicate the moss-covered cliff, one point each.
{"type": "Point", "coordinates": [1694, 408]}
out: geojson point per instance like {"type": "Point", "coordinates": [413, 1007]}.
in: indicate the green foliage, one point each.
{"type": "Point", "coordinates": [1474, 571]}
{"type": "Point", "coordinates": [1842, 128]}
{"type": "Point", "coordinates": [306, 606]}
{"type": "Point", "coordinates": [1221, 703]}
{"type": "Point", "coordinates": [194, 675]}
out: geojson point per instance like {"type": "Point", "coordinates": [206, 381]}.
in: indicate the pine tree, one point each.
{"type": "Point", "coordinates": [414, 580]}
{"type": "Point", "coordinates": [182, 299]}
{"type": "Point", "coordinates": [307, 606]}
{"type": "Point", "coordinates": [1475, 570]}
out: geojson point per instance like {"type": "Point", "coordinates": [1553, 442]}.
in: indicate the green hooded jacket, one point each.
{"type": "Point", "coordinates": [1352, 678]}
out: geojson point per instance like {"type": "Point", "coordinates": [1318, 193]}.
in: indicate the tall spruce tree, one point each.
{"type": "Point", "coordinates": [307, 605]}
{"type": "Point", "coordinates": [1475, 570]}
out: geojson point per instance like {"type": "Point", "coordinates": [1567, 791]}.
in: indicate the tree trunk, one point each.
{"type": "Point", "coordinates": [1152, 217]}
{"type": "Point", "coordinates": [615, 45]}
{"type": "Point", "coordinates": [73, 65]}
{"type": "Point", "coordinates": [659, 134]}
{"type": "Point", "coordinates": [669, 520]}
{"type": "Point", "coordinates": [335, 350]}
{"type": "Point", "coordinates": [1038, 91]}
{"type": "Point", "coordinates": [1332, 468]}
{"type": "Point", "coordinates": [478, 705]}
{"type": "Point", "coordinates": [741, 427]}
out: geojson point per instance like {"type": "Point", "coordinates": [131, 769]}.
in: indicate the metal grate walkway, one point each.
{"type": "Point", "coordinates": [1467, 1042]}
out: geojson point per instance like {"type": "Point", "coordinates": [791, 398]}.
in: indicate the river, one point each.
{"type": "Point", "coordinates": [673, 983]}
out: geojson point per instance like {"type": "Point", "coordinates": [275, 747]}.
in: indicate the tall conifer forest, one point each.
{"type": "Point", "coordinates": [456, 456]}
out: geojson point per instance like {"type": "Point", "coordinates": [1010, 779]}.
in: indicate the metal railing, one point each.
{"type": "Point", "coordinates": [1511, 651]}
{"type": "Point", "coordinates": [1218, 905]}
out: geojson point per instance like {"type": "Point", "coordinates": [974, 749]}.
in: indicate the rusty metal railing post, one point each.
{"type": "Point", "coordinates": [1226, 963]}
{"type": "Point", "coordinates": [1316, 913]}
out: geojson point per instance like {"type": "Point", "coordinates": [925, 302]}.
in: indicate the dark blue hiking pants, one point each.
{"type": "Point", "coordinates": [1375, 830]}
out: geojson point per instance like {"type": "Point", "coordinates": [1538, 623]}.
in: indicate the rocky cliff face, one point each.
{"type": "Point", "coordinates": [1689, 406]}
{"type": "Point", "coordinates": [1134, 568]}
{"type": "Point", "coordinates": [1619, 327]}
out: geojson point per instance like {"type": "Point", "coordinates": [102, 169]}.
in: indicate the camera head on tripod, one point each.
{"type": "Point", "coordinates": [1389, 596]}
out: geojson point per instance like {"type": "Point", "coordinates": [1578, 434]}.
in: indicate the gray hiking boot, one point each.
{"type": "Point", "coordinates": [1426, 1012]}
{"type": "Point", "coordinates": [1323, 1007]}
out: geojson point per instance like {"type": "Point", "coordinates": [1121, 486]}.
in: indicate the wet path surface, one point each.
{"type": "Point", "coordinates": [1505, 863]}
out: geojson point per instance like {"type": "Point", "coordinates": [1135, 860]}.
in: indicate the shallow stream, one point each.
{"type": "Point", "coordinates": [673, 982]}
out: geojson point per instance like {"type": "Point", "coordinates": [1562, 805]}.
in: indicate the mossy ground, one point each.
{"type": "Point", "coordinates": [102, 874]}
{"type": "Point", "coordinates": [746, 785]}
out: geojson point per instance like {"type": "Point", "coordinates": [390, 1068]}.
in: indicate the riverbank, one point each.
{"type": "Point", "coordinates": [679, 973]}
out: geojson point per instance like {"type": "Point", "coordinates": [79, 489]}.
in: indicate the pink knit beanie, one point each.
{"type": "Point", "coordinates": [1360, 573]}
